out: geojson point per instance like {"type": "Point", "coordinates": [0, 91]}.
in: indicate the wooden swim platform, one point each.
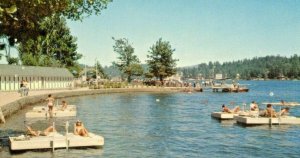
{"type": "Point", "coordinates": [42, 111]}
{"type": "Point", "coordinates": [223, 115]}
{"type": "Point", "coordinates": [54, 141]}
{"type": "Point", "coordinates": [286, 120]}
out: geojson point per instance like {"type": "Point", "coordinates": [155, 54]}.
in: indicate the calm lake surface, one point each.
{"type": "Point", "coordinates": [173, 125]}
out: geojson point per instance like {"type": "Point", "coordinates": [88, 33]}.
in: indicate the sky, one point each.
{"type": "Point", "coordinates": [199, 30]}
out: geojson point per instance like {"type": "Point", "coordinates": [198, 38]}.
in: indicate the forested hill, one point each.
{"type": "Point", "coordinates": [271, 67]}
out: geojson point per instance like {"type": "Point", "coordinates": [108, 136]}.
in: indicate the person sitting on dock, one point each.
{"type": "Point", "coordinates": [284, 111]}
{"type": "Point", "coordinates": [64, 105]}
{"type": "Point", "coordinates": [79, 129]}
{"type": "Point", "coordinates": [46, 132]}
{"type": "Point", "coordinates": [226, 109]}
{"type": "Point", "coordinates": [253, 106]}
{"type": "Point", "coordinates": [270, 112]}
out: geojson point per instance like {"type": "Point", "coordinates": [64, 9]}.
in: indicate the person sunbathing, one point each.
{"type": "Point", "coordinates": [80, 130]}
{"type": "Point", "coordinates": [46, 132]}
{"type": "Point", "coordinates": [226, 109]}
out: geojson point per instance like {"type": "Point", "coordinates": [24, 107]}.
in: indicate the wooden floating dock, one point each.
{"type": "Point", "coordinates": [247, 120]}
{"type": "Point", "coordinates": [223, 115]}
{"type": "Point", "coordinates": [55, 140]}
{"type": "Point", "coordinates": [41, 111]}
{"type": "Point", "coordinates": [228, 89]}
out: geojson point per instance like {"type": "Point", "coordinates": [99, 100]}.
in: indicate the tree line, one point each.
{"type": "Point", "coordinates": [269, 67]}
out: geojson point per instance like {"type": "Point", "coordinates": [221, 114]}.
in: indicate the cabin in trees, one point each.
{"type": "Point", "coordinates": [37, 77]}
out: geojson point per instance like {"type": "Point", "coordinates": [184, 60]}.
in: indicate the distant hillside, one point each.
{"type": "Point", "coordinates": [271, 67]}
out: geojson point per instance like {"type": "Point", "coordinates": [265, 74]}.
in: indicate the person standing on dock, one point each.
{"type": "Point", "coordinates": [50, 103]}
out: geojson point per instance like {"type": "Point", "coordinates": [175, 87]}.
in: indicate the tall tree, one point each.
{"type": "Point", "coordinates": [100, 71]}
{"type": "Point", "coordinates": [161, 63]}
{"type": "Point", "coordinates": [20, 18]}
{"type": "Point", "coordinates": [127, 62]}
{"type": "Point", "coordinates": [56, 48]}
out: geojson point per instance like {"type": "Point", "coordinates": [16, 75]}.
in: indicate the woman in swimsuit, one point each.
{"type": "Point", "coordinates": [40, 133]}
{"type": "Point", "coordinates": [50, 100]}
{"type": "Point", "coordinates": [80, 130]}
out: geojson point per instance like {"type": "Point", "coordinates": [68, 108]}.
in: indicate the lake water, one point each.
{"type": "Point", "coordinates": [173, 125]}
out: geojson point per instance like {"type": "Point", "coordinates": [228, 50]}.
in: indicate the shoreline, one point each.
{"type": "Point", "coordinates": [11, 102]}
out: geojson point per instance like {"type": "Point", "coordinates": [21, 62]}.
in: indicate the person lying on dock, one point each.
{"type": "Point", "coordinates": [46, 132]}
{"type": "Point", "coordinates": [253, 106]}
{"type": "Point", "coordinates": [64, 105]}
{"type": "Point", "coordinates": [284, 111]}
{"type": "Point", "coordinates": [234, 110]}
{"type": "Point", "coordinates": [79, 129]}
{"type": "Point", "coordinates": [270, 112]}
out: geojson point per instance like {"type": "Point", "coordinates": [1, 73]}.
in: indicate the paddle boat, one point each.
{"type": "Point", "coordinates": [42, 111]}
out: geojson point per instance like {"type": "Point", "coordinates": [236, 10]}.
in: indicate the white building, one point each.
{"type": "Point", "coordinates": [37, 77]}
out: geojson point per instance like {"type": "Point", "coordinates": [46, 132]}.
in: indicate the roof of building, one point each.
{"type": "Point", "coordinates": [37, 71]}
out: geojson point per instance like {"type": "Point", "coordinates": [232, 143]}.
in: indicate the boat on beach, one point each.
{"type": "Point", "coordinates": [54, 140]}
{"type": "Point", "coordinates": [42, 111]}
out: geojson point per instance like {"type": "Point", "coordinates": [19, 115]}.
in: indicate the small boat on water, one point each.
{"type": "Point", "coordinates": [42, 111]}
{"type": "Point", "coordinates": [54, 140]}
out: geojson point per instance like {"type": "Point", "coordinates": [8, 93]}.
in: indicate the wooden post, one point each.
{"type": "Point", "coordinates": [67, 131]}
{"type": "Point", "coordinates": [53, 138]}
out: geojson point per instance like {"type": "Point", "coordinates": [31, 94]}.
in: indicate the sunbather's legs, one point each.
{"type": "Point", "coordinates": [49, 129]}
